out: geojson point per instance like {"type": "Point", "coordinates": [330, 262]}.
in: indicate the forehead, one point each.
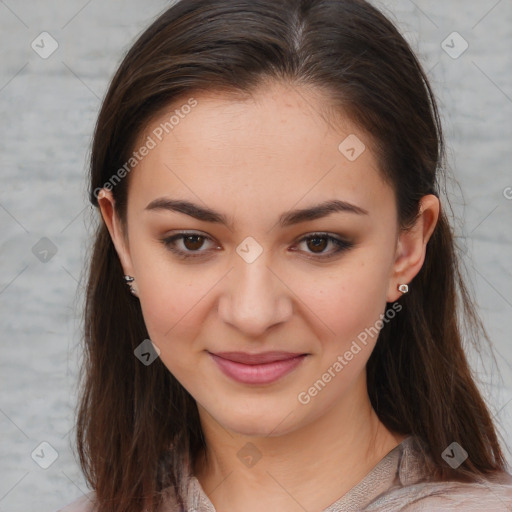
{"type": "Point", "coordinates": [276, 144]}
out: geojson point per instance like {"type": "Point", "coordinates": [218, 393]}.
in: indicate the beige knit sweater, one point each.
{"type": "Point", "coordinates": [396, 484]}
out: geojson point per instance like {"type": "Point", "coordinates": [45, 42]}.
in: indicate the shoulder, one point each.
{"type": "Point", "coordinates": [492, 495]}
{"type": "Point", "coordinates": [417, 493]}
{"type": "Point", "coordinates": [83, 504]}
{"type": "Point", "coordinates": [475, 497]}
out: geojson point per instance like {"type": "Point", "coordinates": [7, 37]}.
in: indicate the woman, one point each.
{"type": "Point", "coordinates": [274, 301]}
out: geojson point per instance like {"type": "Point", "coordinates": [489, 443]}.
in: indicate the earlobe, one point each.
{"type": "Point", "coordinates": [106, 203]}
{"type": "Point", "coordinates": [412, 245]}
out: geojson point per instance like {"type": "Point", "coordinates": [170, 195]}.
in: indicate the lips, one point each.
{"type": "Point", "coordinates": [261, 358]}
{"type": "Point", "coordinates": [262, 368]}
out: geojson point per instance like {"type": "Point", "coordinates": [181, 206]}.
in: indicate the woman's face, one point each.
{"type": "Point", "coordinates": [252, 176]}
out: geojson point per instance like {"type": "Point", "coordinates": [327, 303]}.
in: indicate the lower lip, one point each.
{"type": "Point", "coordinates": [257, 373]}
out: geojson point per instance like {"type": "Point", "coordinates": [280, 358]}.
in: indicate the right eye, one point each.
{"type": "Point", "coordinates": [191, 242]}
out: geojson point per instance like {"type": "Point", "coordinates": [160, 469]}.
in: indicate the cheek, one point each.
{"type": "Point", "coordinates": [172, 303]}
{"type": "Point", "coordinates": [172, 308]}
{"type": "Point", "coordinates": [172, 296]}
{"type": "Point", "coordinates": [347, 303]}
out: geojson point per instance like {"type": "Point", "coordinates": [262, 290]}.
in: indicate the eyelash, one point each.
{"type": "Point", "coordinates": [342, 245]}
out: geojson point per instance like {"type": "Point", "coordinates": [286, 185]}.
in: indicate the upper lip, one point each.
{"type": "Point", "coordinates": [260, 358]}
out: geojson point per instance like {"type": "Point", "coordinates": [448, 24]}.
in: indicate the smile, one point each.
{"type": "Point", "coordinates": [262, 368]}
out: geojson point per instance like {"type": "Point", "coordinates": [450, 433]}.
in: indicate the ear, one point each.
{"type": "Point", "coordinates": [412, 246]}
{"type": "Point", "coordinates": [107, 206]}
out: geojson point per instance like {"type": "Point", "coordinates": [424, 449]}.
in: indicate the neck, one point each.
{"type": "Point", "coordinates": [312, 466]}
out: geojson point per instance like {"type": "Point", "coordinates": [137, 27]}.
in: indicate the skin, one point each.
{"type": "Point", "coordinates": [252, 160]}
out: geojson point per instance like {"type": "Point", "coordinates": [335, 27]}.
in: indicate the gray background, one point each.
{"type": "Point", "coordinates": [47, 113]}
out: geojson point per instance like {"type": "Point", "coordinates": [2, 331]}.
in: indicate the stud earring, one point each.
{"type": "Point", "coordinates": [403, 288]}
{"type": "Point", "coordinates": [129, 280]}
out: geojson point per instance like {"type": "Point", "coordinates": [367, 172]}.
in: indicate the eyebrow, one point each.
{"type": "Point", "coordinates": [286, 219]}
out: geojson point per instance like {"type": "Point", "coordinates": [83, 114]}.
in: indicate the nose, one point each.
{"type": "Point", "coordinates": [255, 298]}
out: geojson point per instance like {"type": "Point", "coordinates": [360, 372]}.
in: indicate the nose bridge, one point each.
{"type": "Point", "coordinates": [255, 298]}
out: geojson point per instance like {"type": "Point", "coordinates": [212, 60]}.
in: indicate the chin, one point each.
{"type": "Point", "coordinates": [253, 428]}
{"type": "Point", "coordinates": [259, 423]}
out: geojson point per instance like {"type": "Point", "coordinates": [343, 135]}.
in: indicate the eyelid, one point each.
{"type": "Point", "coordinates": [169, 240]}
{"type": "Point", "coordinates": [341, 244]}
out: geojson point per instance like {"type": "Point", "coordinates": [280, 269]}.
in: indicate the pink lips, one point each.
{"type": "Point", "coordinates": [262, 368]}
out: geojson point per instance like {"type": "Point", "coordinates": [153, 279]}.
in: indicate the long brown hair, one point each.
{"type": "Point", "coordinates": [136, 424]}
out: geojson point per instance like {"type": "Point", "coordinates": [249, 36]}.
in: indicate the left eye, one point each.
{"type": "Point", "coordinates": [192, 242]}
{"type": "Point", "coordinates": [321, 240]}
